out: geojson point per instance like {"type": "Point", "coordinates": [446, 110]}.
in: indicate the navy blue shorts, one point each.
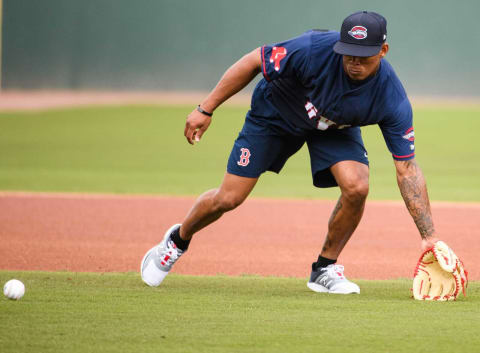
{"type": "Point", "coordinates": [263, 145]}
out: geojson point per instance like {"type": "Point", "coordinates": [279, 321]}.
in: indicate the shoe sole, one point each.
{"type": "Point", "coordinates": [321, 289]}
{"type": "Point", "coordinates": [151, 266]}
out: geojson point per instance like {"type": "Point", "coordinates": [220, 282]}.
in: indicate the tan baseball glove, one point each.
{"type": "Point", "coordinates": [439, 275]}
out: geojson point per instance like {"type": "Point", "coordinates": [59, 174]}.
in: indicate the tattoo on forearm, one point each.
{"type": "Point", "coordinates": [414, 193]}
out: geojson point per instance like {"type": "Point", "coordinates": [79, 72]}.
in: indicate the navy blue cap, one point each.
{"type": "Point", "coordinates": [362, 34]}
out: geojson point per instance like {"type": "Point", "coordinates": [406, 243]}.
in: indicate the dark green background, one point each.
{"type": "Point", "coordinates": [187, 45]}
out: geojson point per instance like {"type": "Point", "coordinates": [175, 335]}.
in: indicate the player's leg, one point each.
{"type": "Point", "coordinates": [257, 149]}
{"type": "Point", "coordinates": [338, 159]}
{"type": "Point", "coordinates": [352, 178]}
{"type": "Point", "coordinates": [209, 207]}
{"type": "Point", "coordinates": [212, 204]}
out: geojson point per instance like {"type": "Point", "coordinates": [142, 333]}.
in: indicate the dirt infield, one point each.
{"type": "Point", "coordinates": [12, 100]}
{"type": "Point", "coordinates": [104, 233]}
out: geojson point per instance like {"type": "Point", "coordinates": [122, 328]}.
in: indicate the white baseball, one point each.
{"type": "Point", "coordinates": [14, 289]}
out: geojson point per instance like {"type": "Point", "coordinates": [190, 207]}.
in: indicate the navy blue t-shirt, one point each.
{"type": "Point", "coordinates": [305, 84]}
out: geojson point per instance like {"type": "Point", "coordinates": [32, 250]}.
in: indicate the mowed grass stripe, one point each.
{"type": "Point", "coordinates": [83, 312]}
{"type": "Point", "coordinates": [141, 149]}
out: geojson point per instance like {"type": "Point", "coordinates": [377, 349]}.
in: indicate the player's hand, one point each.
{"type": "Point", "coordinates": [197, 123]}
{"type": "Point", "coordinates": [439, 274]}
{"type": "Point", "coordinates": [428, 243]}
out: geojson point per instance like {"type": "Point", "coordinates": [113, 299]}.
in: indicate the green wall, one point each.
{"type": "Point", "coordinates": [187, 45]}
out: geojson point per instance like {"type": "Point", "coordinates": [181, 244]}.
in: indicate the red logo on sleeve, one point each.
{"type": "Point", "coordinates": [409, 135]}
{"type": "Point", "coordinates": [278, 53]}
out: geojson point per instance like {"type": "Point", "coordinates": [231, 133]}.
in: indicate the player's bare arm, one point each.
{"type": "Point", "coordinates": [414, 192]}
{"type": "Point", "coordinates": [235, 78]}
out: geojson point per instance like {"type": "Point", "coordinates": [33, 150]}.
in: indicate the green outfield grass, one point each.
{"type": "Point", "coordinates": [141, 149]}
{"type": "Point", "coordinates": [116, 313]}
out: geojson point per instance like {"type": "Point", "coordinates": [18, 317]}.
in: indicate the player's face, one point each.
{"type": "Point", "coordinates": [359, 68]}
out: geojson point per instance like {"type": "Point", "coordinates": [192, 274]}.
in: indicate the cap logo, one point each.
{"type": "Point", "coordinates": [358, 32]}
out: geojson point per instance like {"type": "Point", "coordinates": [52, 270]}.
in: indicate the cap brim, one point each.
{"type": "Point", "coordinates": [355, 49]}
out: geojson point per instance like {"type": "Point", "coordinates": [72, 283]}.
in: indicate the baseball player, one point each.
{"type": "Point", "coordinates": [318, 89]}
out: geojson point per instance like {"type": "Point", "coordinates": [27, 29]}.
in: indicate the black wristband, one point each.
{"type": "Point", "coordinates": [203, 111]}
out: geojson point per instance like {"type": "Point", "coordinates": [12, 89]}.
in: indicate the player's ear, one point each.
{"type": "Point", "coordinates": [384, 50]}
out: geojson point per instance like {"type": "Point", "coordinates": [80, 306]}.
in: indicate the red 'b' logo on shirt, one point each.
{"type": "Point", "coordinates": [278, 53]}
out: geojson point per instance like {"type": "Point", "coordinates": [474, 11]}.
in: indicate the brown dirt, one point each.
{"type": "Point", "coordinates": [12, 100]}
{"type": "Point", "coordinates": [103, 233]}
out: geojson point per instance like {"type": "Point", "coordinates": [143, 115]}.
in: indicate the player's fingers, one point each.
{"type": "Point", "coordinates": [195, 126]}
{"type": "Point", "coordinates": [199, 133]}
{"type": "Point", "coordinates": [190, 127]}
{"type": "Point", "coordinates": [188, 133]}
{"type": "Point", "coordinates": [185, 129]}
{"type": "Point", "coordinates": [195, 137]}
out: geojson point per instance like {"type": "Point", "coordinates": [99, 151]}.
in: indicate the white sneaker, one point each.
{"type": "Point", "coordinates": [158, 261]}
{"type": "Point", "coordinates": [331, 279]}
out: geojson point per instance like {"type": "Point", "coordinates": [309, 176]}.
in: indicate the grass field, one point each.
{"type": "Point", "coordinates": [116, 313]}
{"type": "Point", "coordinates": [141, 149]}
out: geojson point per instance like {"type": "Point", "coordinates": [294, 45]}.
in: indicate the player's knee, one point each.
{"type": "Point", "coordinates": [227, 201]}
{"type": "Point", "coordinates": [356, 190]}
